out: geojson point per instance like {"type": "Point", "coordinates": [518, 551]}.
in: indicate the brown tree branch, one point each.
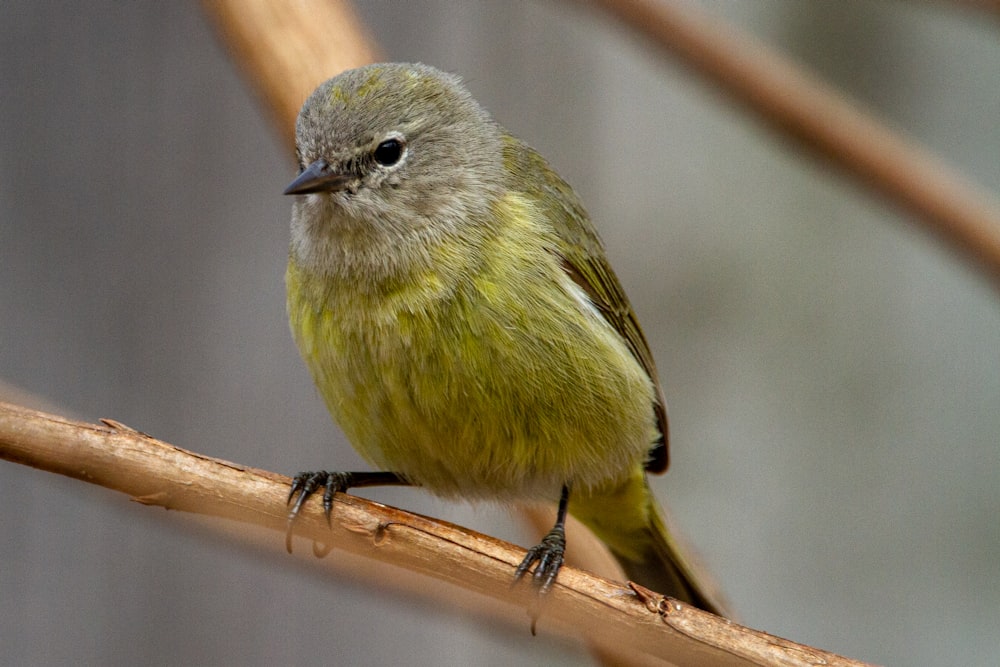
{"type": "Point", "coordinates": [288, 48]}
{"type": "Point", "coordinates": [616, 620]}
{"type": "Point", "coordinates": [822, 120]}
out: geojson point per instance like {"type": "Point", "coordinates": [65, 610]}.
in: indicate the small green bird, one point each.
{"type": "Point", "coordinates": [458, 314]}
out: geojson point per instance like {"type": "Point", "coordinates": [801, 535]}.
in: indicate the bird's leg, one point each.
{"type": "Point", "coordinates": [307, 483]}
{"type": "Point", "coordinates": [547, 555]}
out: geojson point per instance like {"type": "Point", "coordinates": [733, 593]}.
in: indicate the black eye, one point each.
{"type": "Point", "coordinates": [388, 152]}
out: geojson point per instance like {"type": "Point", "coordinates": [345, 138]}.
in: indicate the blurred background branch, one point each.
{"type": "Point", "coordinates": [287, 49]}
{"type": "Point", "coordinates": [822, 120]}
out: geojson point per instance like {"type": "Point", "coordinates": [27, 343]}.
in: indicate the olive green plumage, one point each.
{"type": "Point", "coordinates": [458, 314]}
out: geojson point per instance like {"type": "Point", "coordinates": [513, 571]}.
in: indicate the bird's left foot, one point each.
{"type": "Point", "coordinates": [547, 557]}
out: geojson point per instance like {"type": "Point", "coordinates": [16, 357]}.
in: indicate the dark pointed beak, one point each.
{"type": "Point", "coordinates": [318, 177]}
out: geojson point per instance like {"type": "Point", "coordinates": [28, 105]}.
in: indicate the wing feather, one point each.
{"type": "Point", "coordinates": [582, 256]}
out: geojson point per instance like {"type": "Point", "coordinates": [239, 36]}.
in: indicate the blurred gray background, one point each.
{"type": "Point", "coordinates": [833, 375]}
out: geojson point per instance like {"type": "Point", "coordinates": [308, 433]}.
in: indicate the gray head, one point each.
{"type": "Point", "coordinates": [393, 150]}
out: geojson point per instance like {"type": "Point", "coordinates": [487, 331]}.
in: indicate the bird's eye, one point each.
{"type": "Point", "coordinates": [389, 152]}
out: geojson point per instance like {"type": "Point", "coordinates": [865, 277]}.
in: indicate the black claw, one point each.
{"type": "Point", "coordinates": [296, 485]}
{"type": "Point", "coordinates": [334, 482]}
{"type": "Point", "coordinates": [547, 557]}
{"type": "Point", "coordinates": [306, 484]}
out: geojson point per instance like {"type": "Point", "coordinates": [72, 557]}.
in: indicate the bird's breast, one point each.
{"type": "Point", "coordinates": [491, 381]}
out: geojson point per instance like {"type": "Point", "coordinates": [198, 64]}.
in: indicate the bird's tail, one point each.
{"type": "Point", "coordinates": [630, 521]}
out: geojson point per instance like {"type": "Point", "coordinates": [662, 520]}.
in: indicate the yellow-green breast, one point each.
{"type": "Point", "coordinates": [482, 374]}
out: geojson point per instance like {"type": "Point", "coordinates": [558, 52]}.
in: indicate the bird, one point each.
{"type": "Point", "coordinates": [457, 311]}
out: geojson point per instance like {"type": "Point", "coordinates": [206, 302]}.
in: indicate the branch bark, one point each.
{"type": "Point", "coordinates": [616, 620]}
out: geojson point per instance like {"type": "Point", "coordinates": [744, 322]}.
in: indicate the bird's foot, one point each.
{"type": "Point", "coordinates": [306, 484]}
{"type": "Point", "coordinates": [547, 557]}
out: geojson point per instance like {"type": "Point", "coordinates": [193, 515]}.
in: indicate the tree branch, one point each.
{"type": "Point", "coordinates": [286, 49]}
{"type": "Point", "coordinates": [822, 120]}
{"type": "Point", "coordinates": [616, 620]}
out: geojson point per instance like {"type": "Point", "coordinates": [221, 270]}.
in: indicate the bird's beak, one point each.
{"type": "Point", "coordinates": [318, 177]}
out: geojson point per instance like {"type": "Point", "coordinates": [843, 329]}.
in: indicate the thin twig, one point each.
{"type": "Point", "coordinates": [155, 473]}
{"type": "Point", "coordinates": [822, 120]}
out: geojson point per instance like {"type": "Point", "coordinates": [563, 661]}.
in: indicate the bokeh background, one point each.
{"type": "Point", "coordinates": [833, 375]}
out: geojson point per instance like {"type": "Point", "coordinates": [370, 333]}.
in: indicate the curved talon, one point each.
{"type": "Point", "coordinates": [306, 484]}
{"type": "Point", "coordinates": [297, 482]}
{"type": "Point", "coordinates": [548, 554]}
{"type": "Point", "coordinates": [336, 482]}
{"type": "Point", "coordinates": [547, 557]}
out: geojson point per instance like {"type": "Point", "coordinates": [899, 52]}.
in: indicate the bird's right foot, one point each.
{"type": "Point", "coordinates": [306, 484]}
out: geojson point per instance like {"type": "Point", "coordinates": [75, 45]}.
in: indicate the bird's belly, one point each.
{"type": "Point", "coordinates": [482, 400]}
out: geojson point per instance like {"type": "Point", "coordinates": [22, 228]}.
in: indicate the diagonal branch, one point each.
{"type": "Point", "coordinates": [286, 49]}
{"type": "Point", "coordinates": [822, 120]}
{"type": "Point", "coordinates": [602, 612]}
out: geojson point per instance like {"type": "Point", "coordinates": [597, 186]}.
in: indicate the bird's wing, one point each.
{"type": "Point", "coordinates": [581, 254]}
